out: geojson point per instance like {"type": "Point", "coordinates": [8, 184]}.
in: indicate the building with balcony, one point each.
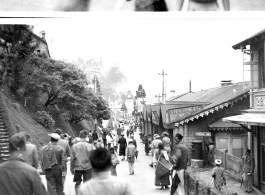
{"type": "Point", "coordinates": [253, 119]}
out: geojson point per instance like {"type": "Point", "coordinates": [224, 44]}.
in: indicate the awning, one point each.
{"type": "Point", "coordinates": [247, 119]}
{"type": "Point", "coordinates": [224, 126]}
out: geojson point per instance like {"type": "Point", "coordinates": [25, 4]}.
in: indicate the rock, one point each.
{"type": "Point", "coordinates": [197, 163]}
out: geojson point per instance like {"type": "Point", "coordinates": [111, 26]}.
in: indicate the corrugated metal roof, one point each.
{"type": "Point", "coordinates": [218, 98]}
{"type": "Point", "coordinates": [222, 124]}
{"type": "Point", "coordinates": [254, 38]}
{"type": "Point", "coordinates": [215, 96]}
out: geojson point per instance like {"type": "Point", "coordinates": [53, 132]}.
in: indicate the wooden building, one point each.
{"type": "Point", "coordinates": [201, 112]}
{"type": "Point", "coordinates": [253, 119]}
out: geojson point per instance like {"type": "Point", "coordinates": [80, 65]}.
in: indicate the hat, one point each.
{"type": "Point", "coordinates": [54, 136]}
{"type": "Point", "coordinates": [132, 135]}
{"type": "Point", "coordinates": [156, 136]}
{"type": "Point", "coordinates": [130, 140]}
{"type": "Point", "coordinates": [18, 140]}
{"type": "Point", "coordinates": [165, 133]}
{"type": "Point", "coordinates": [122, 133]}
{"type": "Point", "coordinates": [218, 162]}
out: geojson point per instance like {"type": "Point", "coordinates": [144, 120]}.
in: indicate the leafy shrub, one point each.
{"type": "Point", "coordinates": [45, 119]}
{"type": "Point", "coordinates": [16, 105]}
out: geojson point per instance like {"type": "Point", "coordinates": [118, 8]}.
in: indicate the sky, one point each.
{"type": "Point", "coordinates": [196, 48]}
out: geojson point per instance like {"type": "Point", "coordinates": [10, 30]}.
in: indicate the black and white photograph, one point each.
{"type": "Point", "coordinates": [109, 97]}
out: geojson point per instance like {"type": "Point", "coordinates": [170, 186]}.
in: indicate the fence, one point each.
{"type": "Point", "coordinates": [232, 164]}
{"type": "Point", "coordinates": [195, 186]}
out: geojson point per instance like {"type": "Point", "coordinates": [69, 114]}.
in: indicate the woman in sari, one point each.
{"type": "Point", "coordinates": [162, 181]}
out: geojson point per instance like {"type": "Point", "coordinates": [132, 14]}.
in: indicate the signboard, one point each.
{"type": "Point", "coordinates": [156, 117]}
{"type": "Point", "coordinates": [259, 101]}
{"type": "Point", "coordinates": [205, 134]}
{"type": "Point", "coordinates": [177, 114]}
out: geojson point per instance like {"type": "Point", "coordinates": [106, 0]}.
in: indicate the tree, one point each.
{"type": "Point", "coordinates": [140, 93]}
{"type": "Point", "coordinates": [18, 44]}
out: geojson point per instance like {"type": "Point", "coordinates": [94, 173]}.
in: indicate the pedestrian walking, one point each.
{"type": "Point", "coordinates": [104, 138]}
{"type": "Point", "coordinates": [31, 154]}
{"type": "Point", "coordinates": [218, 175]}
{"type": "Point", "coordinates": [130, 153]}
{"type": "Point", "coordinates": [167, 143]}
{"type": "Point", "coordinates": [147, 144]}
{"type": "Point", "coordinates": [18, 177]}
{"type": "Point", "coordinates": [248, 170]}
{"type": "Point", "coordinates": [154, 146]}
{"type": "Point", "coordinates": [65, 144]}
{"type": "Point", "coordinates": [103, 182]}
{"type": "Point", "coordinates": [114, 161]}
{"type": "Point", "coordinates": [80, 160]}
{"type": "Point", "coordinates": [180, 157]}
{"type": "Point", "coordinates": [95, 135]}
{"type": "Point", "coordinates": [122, 146]}
{"type": "Point", "coordinates": [163, 180]}
{"type": "Point", "coordinates": [52, 164]}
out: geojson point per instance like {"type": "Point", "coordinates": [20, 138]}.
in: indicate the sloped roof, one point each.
{"type": "Point", "coordinates": [218, 98]}
{"type": "Point", "coordinates": [175, 97]}
{"type": "Point", "coordinates": [221, 125]}
{"type": "Point", "coordinates": [254, 38]}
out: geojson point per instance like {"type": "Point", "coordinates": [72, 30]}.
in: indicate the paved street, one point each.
{"type": "Point", "coordinates": [142, 182]}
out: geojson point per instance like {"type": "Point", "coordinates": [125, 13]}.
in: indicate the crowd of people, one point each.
{"type": "Point", "coordinates": [91, 155]}
{"type": "Point", "coordinates": [93, 163]}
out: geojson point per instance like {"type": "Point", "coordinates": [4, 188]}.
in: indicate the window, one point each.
{"type": "Point", "coordinates": [237, 147]}
{"type": "Point", "coordinates": [222, 143]}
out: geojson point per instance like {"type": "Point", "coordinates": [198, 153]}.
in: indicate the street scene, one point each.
{"type": "Point", "coordinates": [132, 105]}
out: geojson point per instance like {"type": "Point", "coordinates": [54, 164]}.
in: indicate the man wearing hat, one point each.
{"type": "Point", "coordinates": [154, 146]}
{"type": "Point", "coordinates": [66, 147]}
{"type": "Point", "coordinates": [166, 141]}
{"type": "Point", "coordinates": [80, 160]}
{"type": "Point", "coordinates": [18, 177]}
{"type": "Point", "coordinates": [52, 164]}
{"type": "Point", "coordinates": [218, 175]}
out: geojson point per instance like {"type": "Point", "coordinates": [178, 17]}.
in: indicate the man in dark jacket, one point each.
{"type": "Point", "coordinates": [95, 135]}
{"type": "Point", "coordinates": [18, 177]}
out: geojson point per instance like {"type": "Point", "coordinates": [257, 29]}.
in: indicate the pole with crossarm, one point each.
{"type": "Point", "coordinates": [163, 93]}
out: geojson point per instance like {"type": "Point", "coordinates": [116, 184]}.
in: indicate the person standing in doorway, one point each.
{"type": "Point", "coordinates": [31, 154]}
{"type": "Point", "coordinates": [18, 177]}
{"type": "Point", "coordinates": [122, 146]}
{"type": "Point", "coordinates": [80, 160]}
{"type": "Point", "coordinates": [147, 144]}
{"type": "Point", "coordinates": [130, 153]}
{"type": "Point", "coordinates": [181, 160]}
{"type": "Point", "coordinates": [52, 158]}
{"type": "Point", "coordinates": [248, 170]}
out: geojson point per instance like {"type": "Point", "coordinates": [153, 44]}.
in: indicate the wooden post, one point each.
{"type": "Point", "coordinates": [188, 183]}
{"type": "Point", "coordinates": [197, 188]}
{"type": "Point", "coordinates": [225, 160]}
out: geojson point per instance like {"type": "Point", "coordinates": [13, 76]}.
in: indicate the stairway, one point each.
{"type": "Point", "coordinates": [4, 150]}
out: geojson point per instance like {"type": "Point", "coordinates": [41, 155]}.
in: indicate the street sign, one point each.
{"type": "Point", "coordinates": [205, 134]}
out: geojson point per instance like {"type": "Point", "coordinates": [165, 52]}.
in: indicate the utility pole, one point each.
{"type": "Point", "coordinates": [163, 93]}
